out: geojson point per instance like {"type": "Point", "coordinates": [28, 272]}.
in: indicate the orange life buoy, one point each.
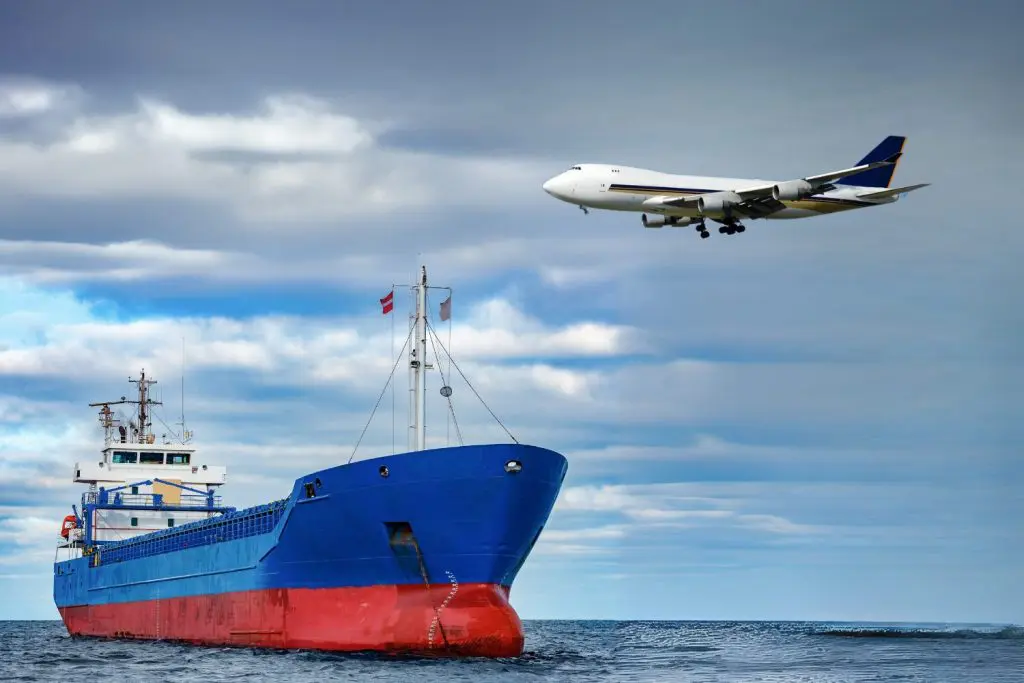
{"type": "Point", "coordinates": [70, 522]}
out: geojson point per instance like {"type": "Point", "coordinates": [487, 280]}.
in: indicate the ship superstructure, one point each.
{"type": "Point", "coordinates": [138, 486]}
{"type": "Point", "coordinates": [411, 552]}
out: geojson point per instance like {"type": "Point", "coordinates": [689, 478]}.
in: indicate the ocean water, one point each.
{"type": "Point", "coordinates": [560, 651]}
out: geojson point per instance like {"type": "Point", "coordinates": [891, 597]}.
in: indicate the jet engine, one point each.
{"type": "Point", "coordinates": [792, 189]}
{"type": "Point", "coordinates": [717, 204]}
{"type": "Point", "coordinates": [666, 221]}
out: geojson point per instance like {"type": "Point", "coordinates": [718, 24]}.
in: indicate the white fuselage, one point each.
{"type": "Point", "coordinates": [623, 188]}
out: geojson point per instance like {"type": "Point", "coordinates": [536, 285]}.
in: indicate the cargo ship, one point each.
{"type": "Point", "coordinates": [413, 552]}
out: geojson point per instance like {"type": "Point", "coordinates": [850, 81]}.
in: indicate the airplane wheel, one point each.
{"type": "Point", "coordinates": [740, 228]}
{"type": "Point", "coordinates": [722, 230]}
{"type": "Point", "coordinates": [704, 235]}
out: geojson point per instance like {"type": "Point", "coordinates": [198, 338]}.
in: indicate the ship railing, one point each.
{"type": "Point", "coordinates": [118, 499]}
{"type": "Point", "coordinates": [71, 547]}
{"type": "Point", "coordinates": [74, 537]}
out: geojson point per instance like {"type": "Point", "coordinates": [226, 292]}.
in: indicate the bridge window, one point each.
{"type": "Point", "coordinates": [177, 458]}
{"type": "Point", "coordinates": [151, 458]}
{"type": "Point", "coordinates": [123, 457]}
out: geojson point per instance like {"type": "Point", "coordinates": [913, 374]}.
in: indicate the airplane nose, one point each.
{"type": "Point", "coordinates": [558, 187]}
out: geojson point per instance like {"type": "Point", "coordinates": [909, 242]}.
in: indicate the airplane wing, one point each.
{"type": "Point", "coordinates": [680, 201]}
{"type": "Point", "coordinates": [759, 207]}
{"type": "Point", "coordinates": [751, 207]}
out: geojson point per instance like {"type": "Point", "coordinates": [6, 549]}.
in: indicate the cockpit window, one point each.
{"type": "Point", "coordinates": [576, 168]}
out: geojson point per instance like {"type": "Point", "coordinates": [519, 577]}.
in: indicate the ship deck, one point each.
{"type": "Point", "coordinates": [239, 524]}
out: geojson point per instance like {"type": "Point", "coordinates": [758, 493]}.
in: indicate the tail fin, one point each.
{"type": "Point", "coordinates": [877, 177]}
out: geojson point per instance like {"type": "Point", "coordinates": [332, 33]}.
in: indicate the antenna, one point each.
{"type": "Point", "coordinates": [185, 435]}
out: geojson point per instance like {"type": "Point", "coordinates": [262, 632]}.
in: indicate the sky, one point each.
{"type": "Point", "coordinates": [815, 419]}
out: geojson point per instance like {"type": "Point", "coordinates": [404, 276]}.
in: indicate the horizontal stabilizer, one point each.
{"type": "Point", "coordinates": [890, 191]}
{"type": "Point", "coordinates": [822, 178]}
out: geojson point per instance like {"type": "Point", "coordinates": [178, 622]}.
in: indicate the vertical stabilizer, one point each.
{"type": "Point", "coordinates": [877, 177]}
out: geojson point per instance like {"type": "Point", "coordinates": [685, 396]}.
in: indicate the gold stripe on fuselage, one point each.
{"type": "Point", "coordinates": [817, 206]}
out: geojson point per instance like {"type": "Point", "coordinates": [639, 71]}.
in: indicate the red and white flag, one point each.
{"type": "Point", "coordinates": [388, 302]}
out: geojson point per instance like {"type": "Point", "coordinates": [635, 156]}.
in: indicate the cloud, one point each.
{"type": "Point", "coordinates": [497, 328]}
{"type": "Point", "coordinates": [622, 521]}
{"type": "Point", "coordinates": [297, 189]}
{"type": "Point", "coordinates": [581, 542]}
{"type": "Point", "coordinates": [671, 504]}
{"type": "Point", "coordinates": [21, 98]}
{"type": "Point", "coordinates": [286, 124]}
{"type": "Point", "coordinates": [537, 376]}
{"type": "Point", "coordinates": [270, 371]}
{"type": "Point", "coordinates": [30, 538]}
{"type": "Point", "coordinates": [61, 336]}
{"type": "Point", "coordinates": [646, 513]}
{"type": "Point", "coordinates": [62, 262]}
{"type": "Point", "coordinates": [296, 158]}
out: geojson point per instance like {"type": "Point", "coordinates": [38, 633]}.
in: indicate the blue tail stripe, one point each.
{"type": "Point", "coordinates": [878, 177]}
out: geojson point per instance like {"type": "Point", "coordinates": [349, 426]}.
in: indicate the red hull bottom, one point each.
{"type": "Point", "coordinates": [467, 620]}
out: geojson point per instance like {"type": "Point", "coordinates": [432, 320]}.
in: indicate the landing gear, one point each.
{"type": "Point", "coordinates": [702, 229]}
{"type": "Point", "coordinates": [732, 228]}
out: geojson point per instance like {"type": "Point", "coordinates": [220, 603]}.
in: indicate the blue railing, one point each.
{"type": "Point", "coordinates": [231, 526]}
{"type": "Point", "coordinates": [107, 499]}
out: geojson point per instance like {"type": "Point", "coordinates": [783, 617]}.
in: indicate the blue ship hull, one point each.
{"type": "Point", "coordinates": [411, 552]}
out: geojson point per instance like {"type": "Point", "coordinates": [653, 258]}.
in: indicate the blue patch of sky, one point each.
{"type": "Point", "coordinates": [35, 387]}
{"type": "Point", "coordinates": [165, 298]}
{"type": "Point", "coordinates": [184, 297]}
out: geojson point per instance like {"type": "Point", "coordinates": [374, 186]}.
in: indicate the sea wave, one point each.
{"type": "Point", "coordinates": [1010, 632]}
{"type": "Point", "coordinates": [576, 652]}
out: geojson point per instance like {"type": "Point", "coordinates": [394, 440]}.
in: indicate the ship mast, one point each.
{"type": "Point", "coordinates": [418, 365]}
{"type": "Point", "coordinates": [141, 433]}
{"type": "Point", "coordinates": [143, 402]}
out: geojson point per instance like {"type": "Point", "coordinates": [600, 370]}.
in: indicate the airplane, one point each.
{"type": "Point", "coordinates": [681, 200]}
